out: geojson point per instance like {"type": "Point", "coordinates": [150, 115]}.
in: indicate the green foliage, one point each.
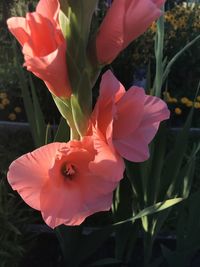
{"type": "Point", "coordinates": [12, 220]}
{"type": "Point", "coordinates": [167, 173]}
{"type": "Point", "coordinates": [187, 227]}
{"type": "Point", "coordinates": [149, 190]}
{"type": "Point", "coordinates": [31, 104]}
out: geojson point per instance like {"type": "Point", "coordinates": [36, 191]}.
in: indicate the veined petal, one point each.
{"type": "Point", "coordinates": [110, 37]}
{"type": "Point", "coordinates": [29, 173]}
{"type": "Point", "coordinates": [42, 33]}
{"type": "Point", "coordinates": [110, 87]}
{"type": "Point", "coordinates": [155, 111]}
{"type": "Point", "coordinates": [111, 90]}
{"type": "Point", "coordinates": [107, 162]}
{"type": "Point", "coordinates": [77, 200]}
{"type": "Point", "coordinates": [18, 27]}
{"type": "Point", "coordinates": [59, 204]}
{"type": "Point", "coordinates": [133, 147]}
{"type": "Point", "coordinates": [129, 112]}
{"type": "Point", "coordinates": [47, 69]}
{"type": "Point", "coordinates": [124, 22]}
{"type": "Point", "coordinates": [49, 9]}
{"type": "Point", "coordinates": [139, 16]}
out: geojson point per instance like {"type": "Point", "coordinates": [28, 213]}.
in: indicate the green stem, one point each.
{"type": "Point", "coordinates": [159, 46]}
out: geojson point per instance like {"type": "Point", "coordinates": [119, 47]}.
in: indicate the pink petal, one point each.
{"type": "Point", "coordinates": [42, 39]}
{"type": "Point", "coordinates": [133, 18]}
{"type": "Point", "coordinates": [133, 147]}
{"type": "Point", "coordinates": [47, 69]}
{"type": "Point", "coordinates": [111, 90]}
{"type": "Point", "coordinates": [59, 204]}
{"type": "Point", "coordinates": [107, 162]}
{"type": "Point", "coordinates": [18, 27]}
{"type": "Point", "coordinates": [78, 199]}
{"type": "Point", "coordinates": [129, 112]}
{"type": "Point", "coordinates": [110, 38]}
{"type": "Point", "coordinates": [139, 16]}
{"type": "Point", "coordinates": [29, 173]}
{"type": "Point", "coordinates": [155, 111]}
{"type": "Point", "coordinates": [49, 9]}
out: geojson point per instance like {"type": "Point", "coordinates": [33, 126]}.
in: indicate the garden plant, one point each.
{"type": "Point", "coordinates": [112, 154]}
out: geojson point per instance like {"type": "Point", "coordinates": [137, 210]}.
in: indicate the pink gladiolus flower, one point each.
{"type": "Point", "coordinates": [128, 120]}
{"type": "Point", "coordinates": [124, 22]}
{"type": "Point", "coordinates": [67, 182]}
{"type": "Point", "coordinates": [44, 46]}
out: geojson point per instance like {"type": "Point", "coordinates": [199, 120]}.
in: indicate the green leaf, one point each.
{"type": "Point", "coordinates": [63, 132]}
{"type": "Point", "coordinates": [158, 161]}
{"type": "Point", "coordinates": [64, 23]}
{"type": "Point", "coordinates": [152, 209]}
{"type": "Point", "coordinates": [174, 59]}
{"type": "Point", "coordinates": [83, 11]}
{"type": "Point", "coordinates": [64, 106]}
{"type": "Point", "coordinates": [38, 116]}
{"type": "Point", "coordinates": [125, 235]}
{"type": "Point", "coordinates": [159, 45]}
{"type": "Point", "coordinates": [105, 262]}
{"type": "Point", "coordinates": [31, 104]}
{"type": "Point", "coordinates": [79, 117]}
{"type": "Point", "coordinates": [48, 137]}
{"type": "Point", "coordinates": [175, 158]}
{"type": "Point", "coordinates": [133, 170]}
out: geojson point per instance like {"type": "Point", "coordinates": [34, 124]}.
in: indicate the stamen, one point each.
{"type": "Point", "coordinates": [68, 170]}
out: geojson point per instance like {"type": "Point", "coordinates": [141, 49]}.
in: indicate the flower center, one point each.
{"type": "Point", "coordinates": [68, 170]}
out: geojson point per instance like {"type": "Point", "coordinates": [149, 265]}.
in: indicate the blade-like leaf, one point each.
{"type": "Point", "coordinates": [84, 11]}
{"type": "Point", "coordinates": [106, 262]}
{"type": "Point", "coordinates": [38, 115]}
{"type": "Point", "coordinates": [174, 59]}
{"type": "Point", "coordinates": [63, 132]}
{"type": "Point", "coordinates": [159, 44]}
{"type": "Point", "coordinates": [79, 117]}
{"type": "Point", "coordinates": [152, 209]}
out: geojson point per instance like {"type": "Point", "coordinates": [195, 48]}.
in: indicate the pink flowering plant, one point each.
{"type": "Point", "coordinates": [71, 179]}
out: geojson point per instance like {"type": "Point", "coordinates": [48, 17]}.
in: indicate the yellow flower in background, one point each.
{"type": "Point", "coordinates": [3, 95]}
{"type": "Point", "coordinates": [178, 111]}
{"type": "Point", "coordinates": [184, 100]}
{"type": "Point", "coordinates": [5, 101]}
{"type": "Point", "coordinates": [17, 109]}
{"type": "Point", "coordinates": [197, 105]}
{"type": "Point", "coordinates": [189, 103]}
{"type": "Point", "coordinates": [198, 98]}
{"type": "Point", "coordinates": [2, 106]}
{"type": "Point", "coordinates": [174, 100]}
{"type": "Point", "coordinates": [169, 17]}
{"type": "Point", "coordinates": [12, 116]}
